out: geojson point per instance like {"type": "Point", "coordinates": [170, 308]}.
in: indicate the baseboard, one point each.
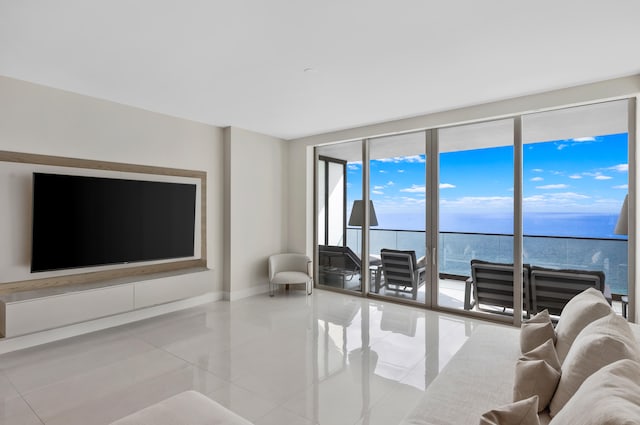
{"type": "Point", "coordinates": [245, 293]}
{"type": "Point", "coordinates": [25, 341]}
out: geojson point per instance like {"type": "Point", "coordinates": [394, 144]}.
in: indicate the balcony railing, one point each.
{"type": "Point", "coordinates": [456, 250]}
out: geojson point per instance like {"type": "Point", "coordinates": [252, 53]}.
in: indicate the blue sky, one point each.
{"type": "Point", "coordinates": [585, 175]}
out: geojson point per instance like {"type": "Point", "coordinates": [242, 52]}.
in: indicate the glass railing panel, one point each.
{"type": "Point", "coordinates": [456, 250]}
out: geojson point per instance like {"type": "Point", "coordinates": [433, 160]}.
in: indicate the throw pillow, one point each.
{"type": "Point", "coordinates": [537, 373]}
{"type": "Point", "coordinates": [604, 341]}
{"type": "Point", "coordinates": [581, 310]}
{"type": "Point", "coordinates": [610, 396]}
{"type": "Point", "coordinates": [524, 412]}
{"type": "Point", "coordinates": [536, 331]}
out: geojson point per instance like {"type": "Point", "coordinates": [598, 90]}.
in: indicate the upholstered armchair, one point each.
{"type": "Point", "coordinates": [290, 269]}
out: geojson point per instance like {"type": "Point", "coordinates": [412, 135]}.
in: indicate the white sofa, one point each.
{"type": "Point", "coordinates": [479, 378]}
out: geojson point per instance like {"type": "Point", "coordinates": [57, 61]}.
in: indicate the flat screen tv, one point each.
{"type": "Point", "coordinates": [92, 221]}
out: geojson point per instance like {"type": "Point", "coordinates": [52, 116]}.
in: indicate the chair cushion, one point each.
{"type": "Point", "coordinates": [581, 310]}
{"type": "Point", "coordinates": [524, 412]}
{"type": "Point", "coordinates": [536, 331]}
{"type": "Point", "coordinates": [602, 342]}
{"type": "Point", "coordinates": [610, 396]}
{"type": "Point", "coordinates": [283, 278]}
{"type": "Point", "coordinates": [537, 373]}
{"type": "Point", "coordinates": [189, 407]}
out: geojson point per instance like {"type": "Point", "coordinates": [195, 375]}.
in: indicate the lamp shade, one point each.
{"type": "Point", "coordinates": [357, 214]}
{"type": "Point", "coordinates": [622, 226]}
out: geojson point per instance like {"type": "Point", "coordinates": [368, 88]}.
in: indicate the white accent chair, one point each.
{"type": "Point", "coordinates": [290, 269]}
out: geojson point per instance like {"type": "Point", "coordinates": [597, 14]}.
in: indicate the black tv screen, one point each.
{"type": "Point", "coordinates": [91, 221]}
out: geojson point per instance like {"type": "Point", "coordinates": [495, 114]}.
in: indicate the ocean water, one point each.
{"type": "Point", "coordinates": [557, 240]}
{"type": "Point", "coordinates": [535, 224]}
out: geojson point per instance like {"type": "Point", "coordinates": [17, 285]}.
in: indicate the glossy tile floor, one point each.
{"type": "Point", "coordinates": [292, 359]}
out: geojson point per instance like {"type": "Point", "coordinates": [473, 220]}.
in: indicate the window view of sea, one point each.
{"type": "Point", "coordinates": [572, 193]}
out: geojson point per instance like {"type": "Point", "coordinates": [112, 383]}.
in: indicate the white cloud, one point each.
{"type": "Point", "coordinates": [410, 202]}
{"type": "Point", "coordinates": [390, 183]}
{"type": "Point", "coordinates": [447, 186]}
{"type": "Point", "coordinates": [399, 159]}
{"type": "Point", "coordinates": [562, 146]}
{"type": "Point", "coordinates": [537, 179]}
{"type": "Point", "coordinates": [415, 158]}
{"type": "Point", "coordinates": [414, 189]}
{"type": "Point", "coordinates": [383, 171]}
{"type": "Point", "coordinates": [377, 192]}
{"type": "Point", "coordinates": [568, 195]}
{"type": "Point", "coordinates": [621, 168]}
{"type": "Point", "coordinates": [597, 175]}
{"type": "Point", "coordinates": [554, 201]}
{"type": "Point", "coordinates": [378, 187]}
{"type": "Point", "coordinates": [489, 203]}
{"type": "Point", "coordinates": [353, 167]}
{"type": "Point", "coordinates": [537, 170]}
{"type": "Point", "coordinates": [401, 171]}
{"type": "Point", "coordinates": [553, 186]}
{"type": "Point", "coordinates": [555, 197]}
{"type": "Point", "coordinates": [575, 176]}
{"type": "Point", "coordinates": [584, 139]}
{"type": "Point", "coordinates": [621, 186]}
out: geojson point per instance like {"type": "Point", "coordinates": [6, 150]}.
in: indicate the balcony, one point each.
{"type": "Point", "coordinates": [457, 249]}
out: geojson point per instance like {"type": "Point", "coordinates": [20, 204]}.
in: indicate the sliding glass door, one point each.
{"type": "Point", "coordinates": [461, 217]}
{"type": "Point", "coordinates": [476, 216]}
{"type": "Point", "coordinates": [398, 229]}
{"type": "Point", "coordinates": [575, 181]}
{"type": "Point", "coordinates": [338, 180]}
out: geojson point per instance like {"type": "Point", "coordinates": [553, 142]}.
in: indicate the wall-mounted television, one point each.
{"type": "Point", "coordinates": [81, 221]}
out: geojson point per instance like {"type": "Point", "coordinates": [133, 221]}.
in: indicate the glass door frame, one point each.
{"type": "Point", "coordinates": [433, 194]}
{"type": "Point", "coordinates": [343, 163]}
{"type": "Point", "coordinates": [432, 214]}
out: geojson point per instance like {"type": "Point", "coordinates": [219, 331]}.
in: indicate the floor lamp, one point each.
{"type": "Point", "coordinates": [357, 214]}
{"type": "Point", "coordinates": [622, 226]}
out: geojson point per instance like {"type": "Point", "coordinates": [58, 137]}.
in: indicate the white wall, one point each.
{"type": "Point", "coordinates": [256, 215]}
{"type": "Point", "coordinates": [300, 190]}
{"type": "Point", "coordinates": [42, 120]}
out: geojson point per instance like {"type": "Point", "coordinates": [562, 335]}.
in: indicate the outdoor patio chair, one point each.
{"type": "Point", "coordinates": [553, 288]}
{"type": "Point", "coordinates": [401, 271]}
{"type": "Point", "coordinates": [342, 264]}
{"type": "Point", "coordinates": [492, 285]}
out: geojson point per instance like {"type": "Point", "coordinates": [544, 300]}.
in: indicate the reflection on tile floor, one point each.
{"type": "Point", "coordinates": [292, 359]}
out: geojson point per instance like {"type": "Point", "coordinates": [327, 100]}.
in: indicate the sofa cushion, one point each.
{"type": "Point", "coordinates": [523, 412]}
{"type": "Point", "coordinates": [610, 396]}
{"type": "Point", "coordinates": [536, 331]}
{"type": "Point", "coordinates": [581, 310]}
{"type": "Point", "coordinates": [602, 342]}
{"type": "Point", "coordinates": [537, 373]}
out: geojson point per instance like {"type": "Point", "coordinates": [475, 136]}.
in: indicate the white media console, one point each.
{"type": "Point", "coordinates": [38, 310]}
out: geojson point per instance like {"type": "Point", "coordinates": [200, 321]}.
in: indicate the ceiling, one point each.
{"type": "Point", "coordinates": [294, 68]}
{"type": "Point", "coordinates": [568, 123]}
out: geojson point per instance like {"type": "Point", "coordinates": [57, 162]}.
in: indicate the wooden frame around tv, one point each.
{"type": "Point", "coordinates": [117, 272]}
